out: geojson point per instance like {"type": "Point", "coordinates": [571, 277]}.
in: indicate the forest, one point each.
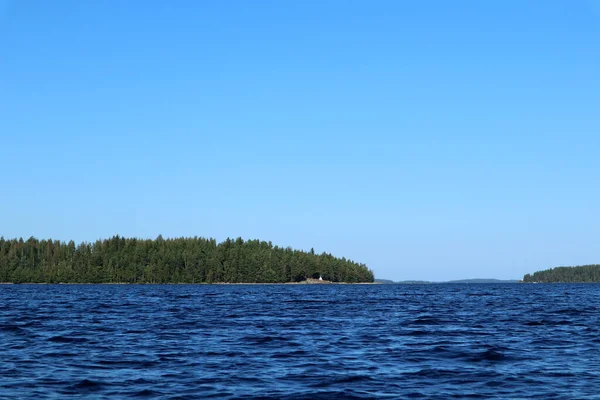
{"type": "Point", "coordinates": [179, 260]}
{"type": "Point", "coordinates": [579, 274]}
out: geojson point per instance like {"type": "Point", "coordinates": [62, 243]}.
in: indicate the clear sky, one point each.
{"type": "Point", "coordinates": [428, 139]}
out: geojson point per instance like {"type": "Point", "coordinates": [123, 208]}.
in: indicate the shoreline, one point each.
{"type": "Point", "coordinates": [189, 283]}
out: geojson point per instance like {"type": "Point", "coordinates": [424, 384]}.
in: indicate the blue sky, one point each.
{"type": "Point", "coordinates": [429, 139]}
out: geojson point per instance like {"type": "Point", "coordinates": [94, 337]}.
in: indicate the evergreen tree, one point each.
{"type": "Point", "coordinates": [579, 274]}
{"type": "Point", "coordinates": [181, 260]}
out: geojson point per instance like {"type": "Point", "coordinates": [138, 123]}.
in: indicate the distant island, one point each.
{"type": "Point", "coordinates": [386, 281]}
{"type": "Point", "coordinates": [180, 260]}
{"type": "Point", "coordinates": [383, 281]}
{"type": "Point", "coordinates": [578, 274]}
{"type": "Point", "coordinates": [484, 281]}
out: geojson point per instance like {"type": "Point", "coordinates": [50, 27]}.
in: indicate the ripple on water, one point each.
{"type": "Point", "coordinates": [322, 341]}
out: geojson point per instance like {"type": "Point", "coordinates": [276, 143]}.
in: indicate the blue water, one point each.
{"type": "Point", "coordinates": [300, 341]}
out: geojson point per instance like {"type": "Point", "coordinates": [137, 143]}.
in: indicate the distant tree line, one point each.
{"type": "Point", "coordinates": [181, 260]}
{"type": "Point", "coordinates": [583, 273]}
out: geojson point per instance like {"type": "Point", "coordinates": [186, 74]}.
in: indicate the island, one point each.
{"type": "Point", "coordinates": [484, 280]}
{"type": "Point", "coordinates": [179, 260]}
{"type": "Point", "coordinates": [578, 274]}
{"type": "Point", "coordinates": [384, 281]}
{"type": "Point", "coordinates": [460, 281]}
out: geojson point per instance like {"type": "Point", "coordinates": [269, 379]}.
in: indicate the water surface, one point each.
{"type": "Point", "coordinates": [300, 341]}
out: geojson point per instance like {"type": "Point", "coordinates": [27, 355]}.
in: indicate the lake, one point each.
{"type": "Point", "coordinates": [300, 341]}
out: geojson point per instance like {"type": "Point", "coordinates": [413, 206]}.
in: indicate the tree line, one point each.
{"type": "Point", "coordinates": [579, 274]}
{"type": "Point", "coordinates": [179, 260]}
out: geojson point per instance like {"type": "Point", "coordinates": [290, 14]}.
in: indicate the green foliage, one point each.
{"type": "Point", "coordinates": [181, 260]}
{"type": "Point", "coordinates": [579, 274]}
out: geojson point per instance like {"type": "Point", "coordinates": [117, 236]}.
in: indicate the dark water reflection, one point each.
{"type": "Point", "coordinates": [309, 341]}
